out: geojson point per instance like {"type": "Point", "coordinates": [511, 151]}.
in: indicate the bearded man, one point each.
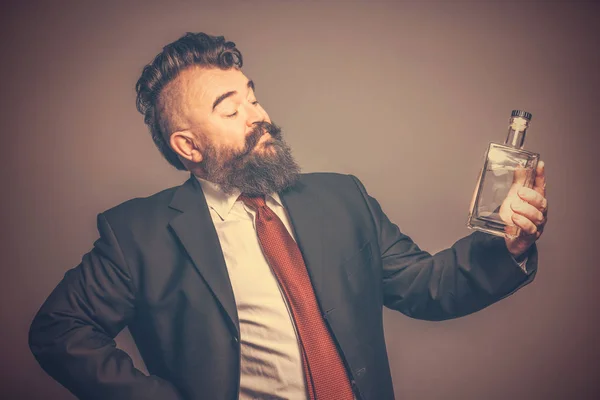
{"type": "Point", "coordinates": [252, 280]}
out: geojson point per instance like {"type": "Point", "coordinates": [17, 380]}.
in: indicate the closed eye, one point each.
{"type": "Point", "coordinates": [254, 103]}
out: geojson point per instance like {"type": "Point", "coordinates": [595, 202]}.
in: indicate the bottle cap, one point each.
{"type": "Point", "coordinates": [520, 113]}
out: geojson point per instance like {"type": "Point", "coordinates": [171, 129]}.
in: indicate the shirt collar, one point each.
{"type": "Point", "coordinates": [223, 203]}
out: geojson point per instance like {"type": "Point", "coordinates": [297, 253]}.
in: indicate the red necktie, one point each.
{"type": "Point", "coordinates": [324, 370]}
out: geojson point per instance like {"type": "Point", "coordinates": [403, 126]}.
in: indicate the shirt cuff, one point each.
{"type": "Point", "coordinates": [523, 263]}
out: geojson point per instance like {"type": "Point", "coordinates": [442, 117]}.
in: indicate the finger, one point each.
{"type": "Point", "coordinates": [528, 211]}
{"type": "Point", "coordinates": [534, 198]}
{"type": "Point", "coordinates": [527, 226]}
{"type": "Point", "coordinates": [519, 176]}
{"type": "Point", "coordinates": [540, 179]}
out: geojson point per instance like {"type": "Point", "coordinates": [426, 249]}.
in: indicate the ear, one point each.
{"type": "Point", "coordinates": [184, 144]}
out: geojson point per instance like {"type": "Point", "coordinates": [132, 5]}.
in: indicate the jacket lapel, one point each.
{"type": "Point", "coordinates": [197, 234]}
{"type": "Point", "coordinates": [307, 219]}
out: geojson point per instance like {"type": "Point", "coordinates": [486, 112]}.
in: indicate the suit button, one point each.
{"type": "Point", "coordinates": [235, 342]}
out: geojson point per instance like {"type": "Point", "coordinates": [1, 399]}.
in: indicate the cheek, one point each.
{"type": "Point", "coordinates": [232, 133]}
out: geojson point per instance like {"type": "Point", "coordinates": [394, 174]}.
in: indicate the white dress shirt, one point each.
{"type": "Point", "coordinates": [271, 363]}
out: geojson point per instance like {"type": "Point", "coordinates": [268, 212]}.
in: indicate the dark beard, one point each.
{"type": "Point", "coordinates": [254, 174]}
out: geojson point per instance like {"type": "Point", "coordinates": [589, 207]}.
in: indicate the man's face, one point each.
{"type": "Point", "coordinates": [219, 106]}
{"type": "Point", "coordinates": [239, 145]}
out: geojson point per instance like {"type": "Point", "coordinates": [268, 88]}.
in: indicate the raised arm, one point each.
{"type": "Point", "coordinates": [473, 273]}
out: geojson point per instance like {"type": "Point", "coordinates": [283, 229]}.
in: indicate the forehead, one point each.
{"type": "Point", "coordinates": [203, 85]}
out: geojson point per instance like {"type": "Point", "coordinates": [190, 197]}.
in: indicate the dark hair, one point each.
{"type": "Point", "coordinates": [190, 49]}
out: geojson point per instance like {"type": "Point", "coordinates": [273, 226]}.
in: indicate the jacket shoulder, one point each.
{"type": "Point", "coordinates": [333, 183]}
{"type": "Point", "coordinates": [140, 207]}
{"type": "Point", "coordinates": [329, 179]}
{"type": "Point", "coordinates": [335, 188]}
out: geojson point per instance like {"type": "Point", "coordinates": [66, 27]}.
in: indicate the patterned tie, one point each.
{"type": "Point", "coordinates": [324, 370]}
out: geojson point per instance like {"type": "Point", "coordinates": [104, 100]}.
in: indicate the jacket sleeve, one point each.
{"type": "Point", "coordinates": [72, 334]}
{"type": "Point", "coordinates": [473, 273]}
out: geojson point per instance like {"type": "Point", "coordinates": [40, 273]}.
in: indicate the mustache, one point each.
{"type": "Point", "coordinates": [260, 128]}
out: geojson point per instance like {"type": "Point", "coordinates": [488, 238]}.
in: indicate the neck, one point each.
{"type": "Point", "coordinates": [515, 138]}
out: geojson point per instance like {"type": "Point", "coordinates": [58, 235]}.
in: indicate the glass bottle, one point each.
{"type": "Point", "coordinates": [506, 168]}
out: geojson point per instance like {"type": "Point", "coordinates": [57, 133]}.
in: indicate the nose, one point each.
{"type": "Point", "coordinates": [254, 115]}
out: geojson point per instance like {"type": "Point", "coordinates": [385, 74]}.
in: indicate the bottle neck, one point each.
{"type": "Point", "coordinates": [516, 132]}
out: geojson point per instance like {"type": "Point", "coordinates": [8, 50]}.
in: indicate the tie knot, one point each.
{"type": "Point", "coordinates": [254, 202]}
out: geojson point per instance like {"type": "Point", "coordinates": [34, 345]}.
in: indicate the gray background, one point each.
{"type": "Point", "coordinates": [405, 95]}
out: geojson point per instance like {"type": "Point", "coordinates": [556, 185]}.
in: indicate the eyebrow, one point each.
{"type": "Point", "coordinates": [229, 94]}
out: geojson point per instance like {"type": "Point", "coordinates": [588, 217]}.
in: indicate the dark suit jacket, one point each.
{"type": "Point", "coordinates": [158, 269]}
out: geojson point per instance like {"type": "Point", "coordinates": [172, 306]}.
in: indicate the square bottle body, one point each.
{"type": "Point", "coordinates": [505, 170]}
